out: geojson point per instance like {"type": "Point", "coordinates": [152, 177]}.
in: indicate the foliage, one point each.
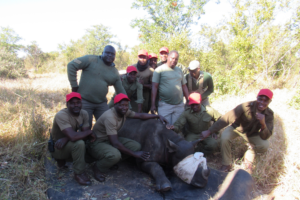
{"type": "Point", "coordinates": [295, 101]}
{"type": "Point", "coordinates": [10, 65]}
{"type": "Point", "coordinates": [168, 24]}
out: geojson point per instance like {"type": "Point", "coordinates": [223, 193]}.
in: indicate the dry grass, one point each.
{"type": "Point", "coordinates": [29, 105]}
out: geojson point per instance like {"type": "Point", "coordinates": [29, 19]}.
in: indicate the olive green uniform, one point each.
{"type": "Point", "coordinates": [203, 85]}
{"type": "Point", "coordinates": [146, 76]}
{"type": "Point", "coordinates": [243, 122]}
{"type": "Point", "coordinates": [109, 124]}
{"type": "Point", "coordinates": [94, 81]}
{"type": "Point", "coordinates": [134, 92]}
{"type": "Point", "coordinates": [72, 150]}
{"type": "Point", "coordinates": [196, 123]}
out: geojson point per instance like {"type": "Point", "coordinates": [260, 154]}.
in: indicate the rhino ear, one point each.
{"type": "Point", "coordinates": [172, 147]}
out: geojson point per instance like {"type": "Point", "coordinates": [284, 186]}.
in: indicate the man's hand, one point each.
{"type": "Point", "coordinates": [92, 137]}
{"type": "Point", "coordinates": [153, 109]}
{"type": "Point", "coordinates": [59, 144]}
{"type": "Point", "coordinates": [170, 126]}
{"type": "Point", "coordinates": [142, 155]}
{"type": "Point", "coordinates": [163, 120]}
{"type": "Point", "coordinates": [205, 134]}
{"type": "Point", "coordinates": [74, 89]}
{"type": "Point", "coordinates": [215, 136]}
{"type": "Point", "coordinates": [261, 118]}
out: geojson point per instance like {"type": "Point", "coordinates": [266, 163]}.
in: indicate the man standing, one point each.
{"type": "Point", "coordinates": [70, 127]}
{"type": "Point", "coordinates": [133, 89]}
{"type": "Point", "coordinates": [153, 60]}
{"type": "Point", "coordinates": [170, 82]}
{"type": "Point", "coordinates": [199, 81]}
{"type": "Point", "coordinates": [108, 147]}
{"type": "Point", "coordinates": [198, 118]}
{"type": "Point", "coordinates": [98, 72]}
{"type": "Point", "coordinates": [144, 75]}
{"type": "Point", "coordinates": [163, 54]}
{"type": "Point", "coordinates": [253, 121]}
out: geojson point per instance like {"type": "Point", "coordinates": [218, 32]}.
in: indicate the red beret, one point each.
{"type": "Point", "coordinates": [195, 98]}
{"type": "Point", "coordinates": [131, 69]}
{"type": "Point", "coordinates": [152, 55]}
{"type": "Point", "coordinates": [164, 49]}
{"type": "Point", "coordinates": [120, 97]}
{"type": "Point", "coordinates": [72, 95]}
{"type": "Point", "coordinates": [266, 92]}
{"type": "Point", "coordinates": [143, 52]}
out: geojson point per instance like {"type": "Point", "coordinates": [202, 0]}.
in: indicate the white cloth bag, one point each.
{"type": "Point", "coordinates": [186, 168]}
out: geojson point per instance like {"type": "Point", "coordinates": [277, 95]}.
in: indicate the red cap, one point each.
{"type": "Point", "coordinates": [266, 92]}
{"type": "Point", "coordinates": [120, 97]}
{"type": "Point", "coordinates": [164, 49]}
{"type": "Point", "coordinates": [195, 98]}
{"type": "Point", "coordinates": [72, 95]}
{"type": "Point", "coordinates": [143, 52]}
{"type": "Point", "coordinates": [131, 69]}
{"type": "Point", "coordinates": [152, 55]}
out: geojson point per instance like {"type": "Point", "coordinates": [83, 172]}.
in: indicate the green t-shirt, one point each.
{"type": "Point", "coordinates": [170, 84]}
{"type": "Point", "coordinates": [95, 78]}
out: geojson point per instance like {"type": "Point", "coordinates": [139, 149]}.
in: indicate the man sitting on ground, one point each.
{"type": "Point", "coordinates": [198, 118]}
{"type": "Point", "coordinates": [133, 89]}
{"type": "Point", "coordinates": [70, 127]}
{"type": "Point", "coordinates": [108, 147]}
{"type": "Point", "coordinates": [253, 121]}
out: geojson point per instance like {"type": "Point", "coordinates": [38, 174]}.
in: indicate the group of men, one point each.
{"type": "Point", "coordinates": [149, 86]}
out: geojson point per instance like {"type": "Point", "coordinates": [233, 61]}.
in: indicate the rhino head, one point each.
{"type": "Point", "coordinates": [181, 150]}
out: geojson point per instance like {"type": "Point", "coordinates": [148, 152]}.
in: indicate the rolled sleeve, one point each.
{"type": "Point", "coordinates": [110, 127]}
{"type": "Point", "coordinates": [62, 121]}
{"type": "Point", "coordinates": [156, 77]}
{"type": "Point", "coordinates": [130, 114]}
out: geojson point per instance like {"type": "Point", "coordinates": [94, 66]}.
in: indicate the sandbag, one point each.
{"type": "Point", "coordinates": [186, 168]}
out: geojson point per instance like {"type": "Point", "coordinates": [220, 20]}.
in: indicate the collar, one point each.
{"type": "Point", "coordinates": [116, 114]}
{"type": "Point", "coordinates": [253, 108]}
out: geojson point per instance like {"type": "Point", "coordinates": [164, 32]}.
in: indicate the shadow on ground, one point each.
{"type": "Point", "coordinates": [128, 183]}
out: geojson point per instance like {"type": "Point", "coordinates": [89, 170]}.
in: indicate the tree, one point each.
{"type": "Point", "coordinates": [9, 40]}
{"type": "Point", "coordinates": [168, 24]}
{"type": "Point", "coordinates": [35, 55]}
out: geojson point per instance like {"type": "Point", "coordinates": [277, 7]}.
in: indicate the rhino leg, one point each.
{"type": "Point", "coordinates": [155, 170]}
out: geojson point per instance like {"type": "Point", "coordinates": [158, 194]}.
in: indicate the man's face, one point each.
{"type": "Point", "coordinates": [109, 55]}
{"type": "Point", "coordinates": [122, 107]}
{"type": "Point", "coordinates": [163, 56]}
{"type": "Point", "coordinates": [172, 60]}
{"type": "Point", "coordinates": [74, 106]}
{"type": "Point", "coordinates": [131, 77]}
{"type": "Point", "coordinates": [142, 59]}
{"type": "Point", "coordinates": [195, 73]}
{"type": "Point", "coordinates": [153, 62]}
{"type": "Point", "coordinates": [196, 107]}
{"type": "Point", "coordinates": [262, 102]}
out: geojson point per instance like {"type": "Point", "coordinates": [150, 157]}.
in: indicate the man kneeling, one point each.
{"type": "Point", "coordinates": [251, 120]}
{"type": "Point", "coordinates": [69, 144]}
{"type": "Point", "coordinates": [108, 147]}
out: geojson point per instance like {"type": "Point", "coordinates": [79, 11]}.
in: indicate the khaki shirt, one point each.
{"type": "Point", "coordinates": [145, 75]}
{"type": "Point", "coordinates": [109, 123]}
{"type": "Point", "coordinates": [244, 120]}
{"type": "Point", "coordinates": [197, 121]}
{"type": "Point", "coordinates": [63, 119]}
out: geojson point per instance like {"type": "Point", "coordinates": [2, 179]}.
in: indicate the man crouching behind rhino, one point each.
{"type": "Point", "coordinates": [108, 147]}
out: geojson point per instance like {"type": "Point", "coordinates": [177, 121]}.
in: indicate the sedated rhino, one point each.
{"type": "Point", "coordinates": [166, 148]}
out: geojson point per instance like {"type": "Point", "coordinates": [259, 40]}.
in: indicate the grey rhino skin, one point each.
{"type": "Point", "coordinates": [166, 148]}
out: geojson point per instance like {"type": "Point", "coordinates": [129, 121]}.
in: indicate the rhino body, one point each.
{"type": "Point", "coordinates": [166, 149]}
